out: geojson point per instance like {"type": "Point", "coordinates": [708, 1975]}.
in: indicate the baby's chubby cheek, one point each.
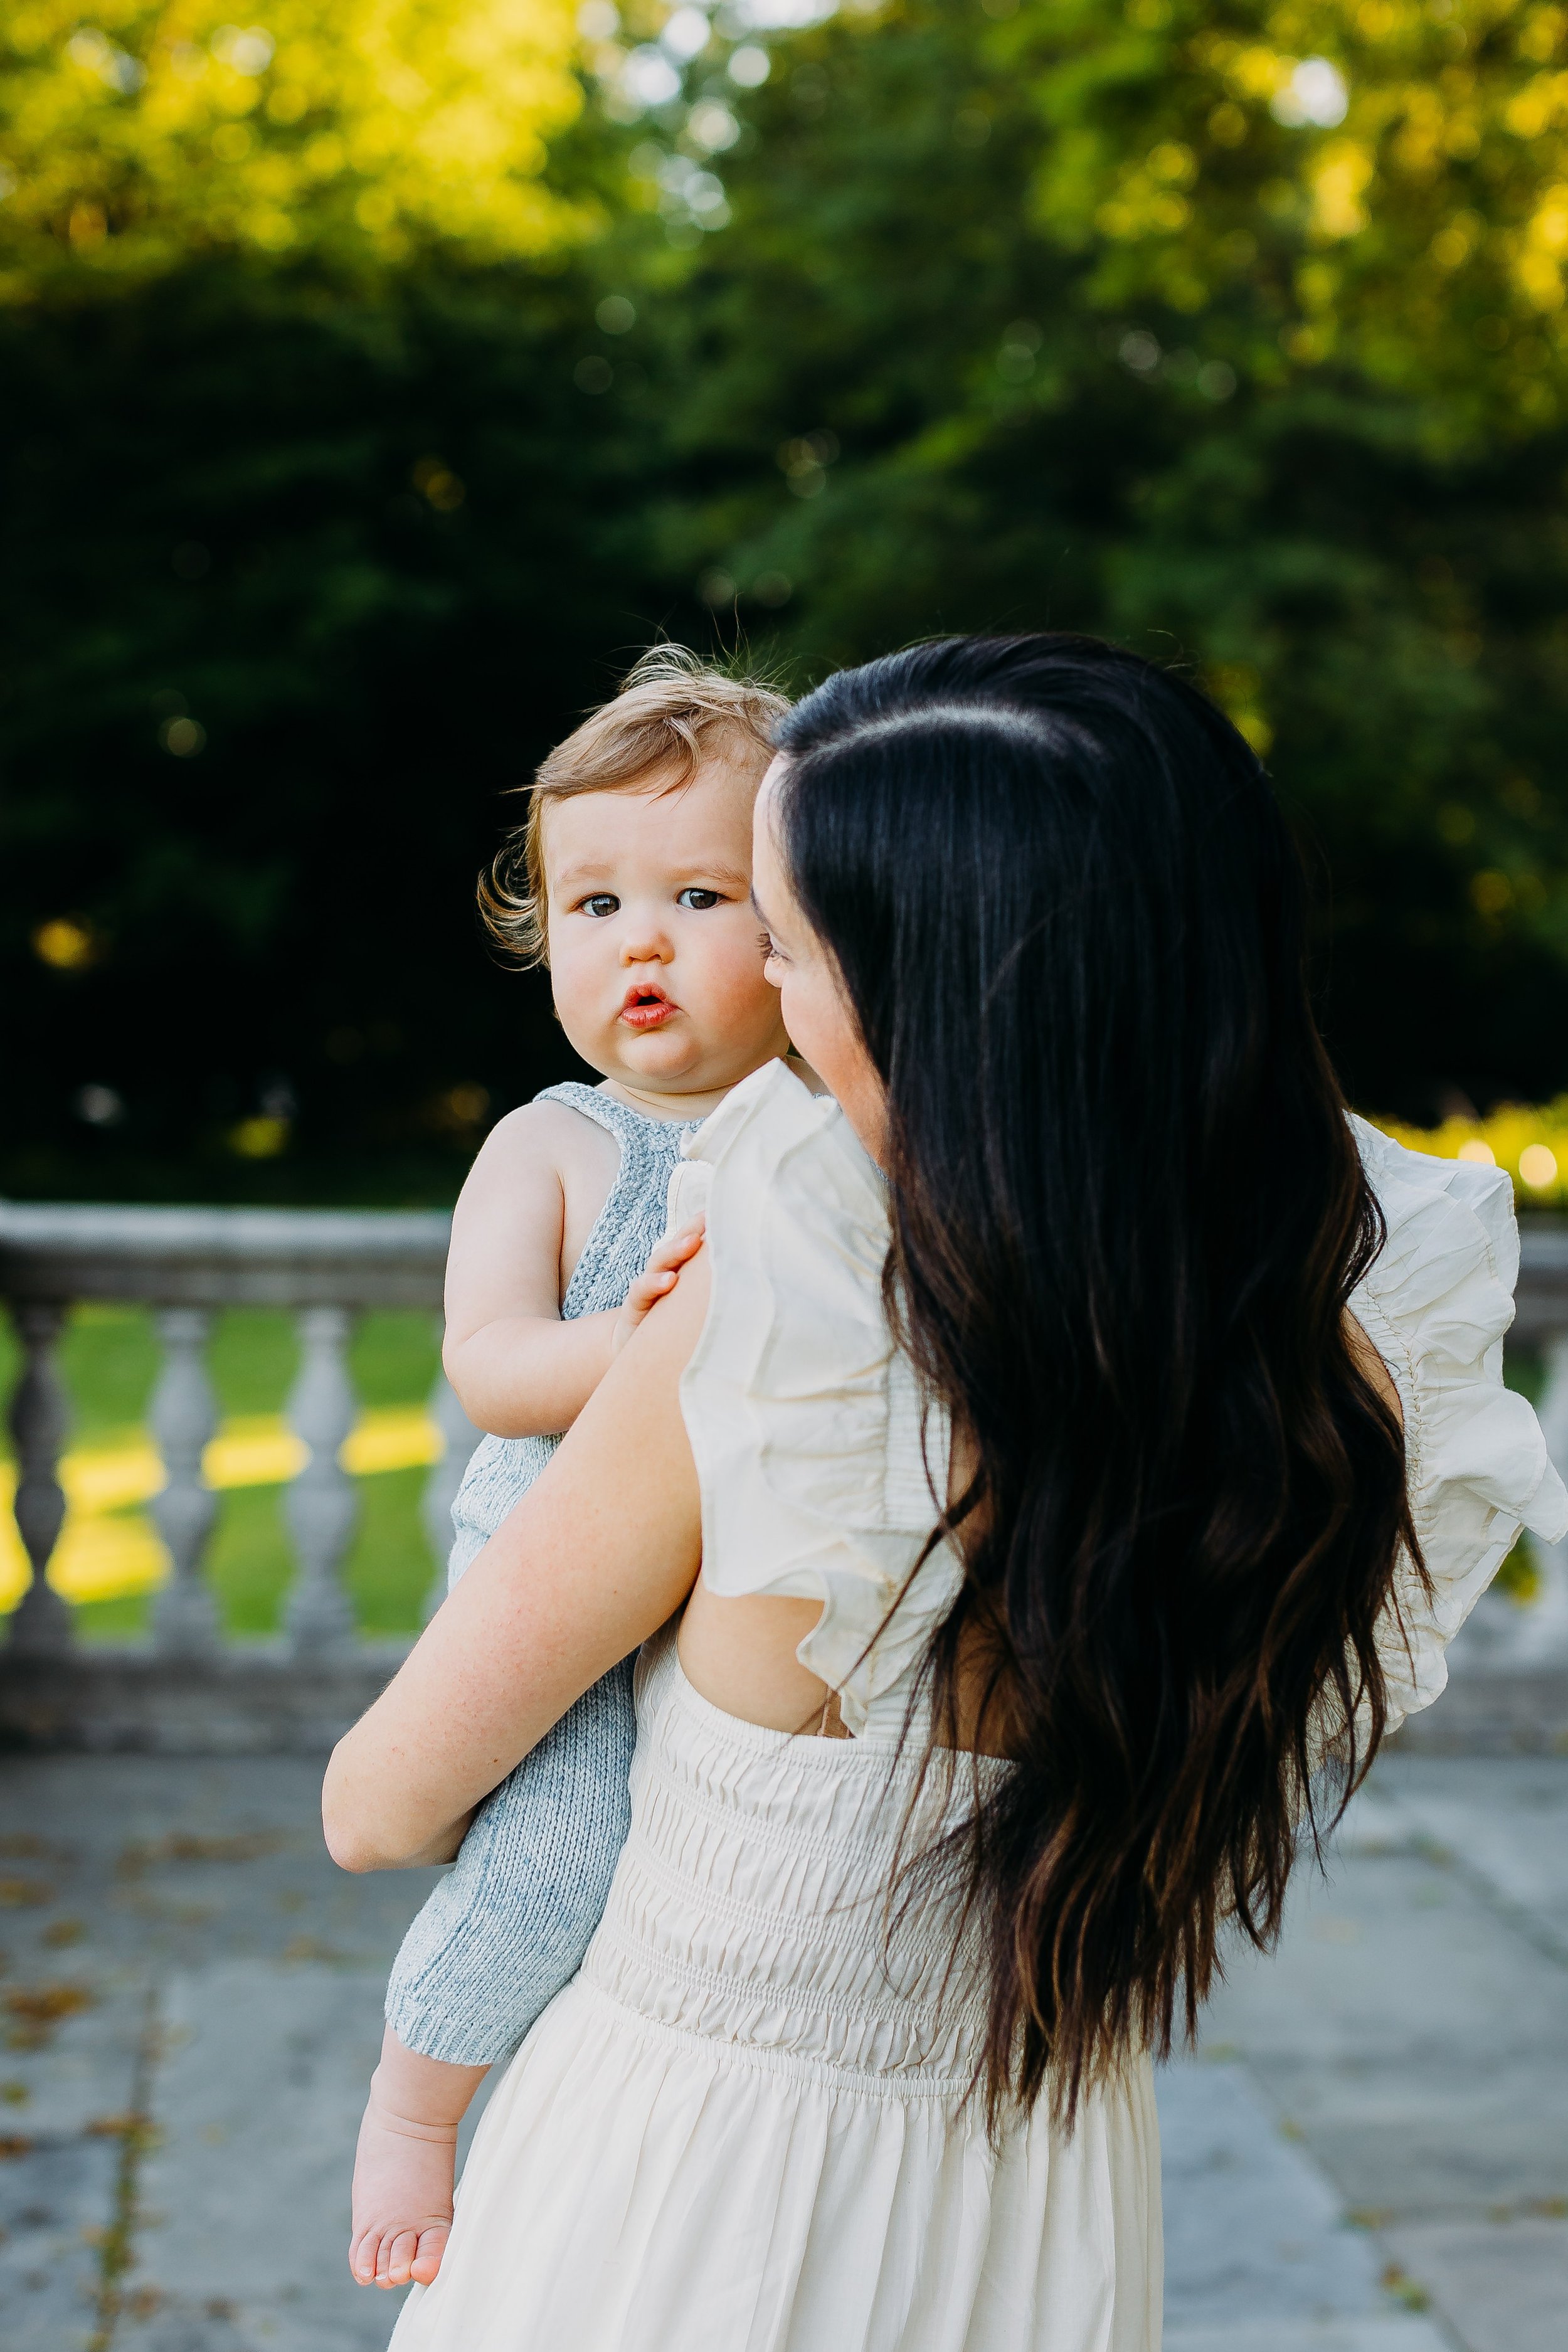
{"type": "Point", "coordinates": [588, 994]}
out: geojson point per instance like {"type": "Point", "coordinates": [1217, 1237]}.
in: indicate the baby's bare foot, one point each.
{"type": "Point", "coordinates": [402, 2197]}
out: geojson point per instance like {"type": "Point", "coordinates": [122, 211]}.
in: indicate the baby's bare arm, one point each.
{"type": "Point", "coordinates": [540, 1179]}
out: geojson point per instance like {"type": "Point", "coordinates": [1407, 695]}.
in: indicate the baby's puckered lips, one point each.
{"type": "Point", "coordinates": [646, 1007]}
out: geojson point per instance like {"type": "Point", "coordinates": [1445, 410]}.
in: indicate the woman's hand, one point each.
{"type": "Point", "coordinates": [597, 1556]}
{"type": "Point", "coordinates": [656, 1280]}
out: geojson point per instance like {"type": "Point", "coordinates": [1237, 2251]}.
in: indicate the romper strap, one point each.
{"type": "Point", "coordinates": [608, 1112]}
{"type": "Point", "coordinates": [632, 1218]}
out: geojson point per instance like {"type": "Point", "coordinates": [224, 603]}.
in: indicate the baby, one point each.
{"type": "Point", "coordinates": [635, 885]}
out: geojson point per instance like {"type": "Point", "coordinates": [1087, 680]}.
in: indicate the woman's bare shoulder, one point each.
{"type": "Point", "coordinates": [1372, 1367]}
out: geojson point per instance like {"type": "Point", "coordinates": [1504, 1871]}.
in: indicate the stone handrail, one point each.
{"type": "Point", "coordinates": [185, 1683]}
{"type": "Point", "coordinates": [1508, 1668]}
{"type": "Point", "coordinates": [1542, 1310]}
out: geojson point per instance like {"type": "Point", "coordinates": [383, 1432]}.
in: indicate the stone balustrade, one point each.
{"type": "Point", "coordinates": [1508, 1685]}
{"type": "Point", "coordinates": [185, 1687]}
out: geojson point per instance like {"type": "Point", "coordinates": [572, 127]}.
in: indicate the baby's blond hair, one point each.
{"type": "Point", "coordinates": [670, 713]}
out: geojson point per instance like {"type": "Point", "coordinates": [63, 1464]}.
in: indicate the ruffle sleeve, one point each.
{"type": "Point", "coordinates": [1436, 1305]}
{"type": "Point", "coordinates": [803, 1418]}
{"type": "Point", "coordinates": [818, 1477]}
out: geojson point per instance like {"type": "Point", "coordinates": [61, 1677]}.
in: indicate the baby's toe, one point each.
{"type": "Point", "coordinates": [401, 2251]}
{"type": "Point", "coordinates": [432, 2246]}
{"type": "Point", "coordinates": [363, 2248]}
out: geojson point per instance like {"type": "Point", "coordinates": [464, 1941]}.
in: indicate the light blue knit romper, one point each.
{"type": "Point", "coordinates": [510, 1922]}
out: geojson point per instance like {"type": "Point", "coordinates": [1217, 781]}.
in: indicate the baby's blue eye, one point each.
{"type": "Point", "coordinates": [600, 904]}
{"type": "Point", "coordinates": [698, 898]}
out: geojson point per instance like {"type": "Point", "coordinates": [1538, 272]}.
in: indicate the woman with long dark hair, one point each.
{"type": "Point", "coordinates": [1076, 1409]}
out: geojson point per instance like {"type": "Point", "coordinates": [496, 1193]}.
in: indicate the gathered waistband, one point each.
{"type": "Point", "coordinates": [897, 2085]}
{"type": "Point", "coordinates": [754, 1907]}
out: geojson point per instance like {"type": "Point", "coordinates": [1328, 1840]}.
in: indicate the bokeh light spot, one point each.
{"type": "Point", "coordinates": [436, 482]}
{"type": "Point", "coordinates": [259, 1139]}
{"type": "Point", "coordinates": [67, 943]}
{"type": "Point", "coordinates": [100, 1106]}
{"type": "Point", "coordinates": [1316, 94]}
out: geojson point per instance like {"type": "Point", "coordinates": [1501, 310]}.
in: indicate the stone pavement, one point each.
{"type": "Point", "coordinates": [1410, 2042]}
{"type": "Point", "coordinates": [1370, 2154]}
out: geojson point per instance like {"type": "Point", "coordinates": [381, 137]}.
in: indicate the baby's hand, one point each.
{"type": "Point", "coordinates": [657, 1279]}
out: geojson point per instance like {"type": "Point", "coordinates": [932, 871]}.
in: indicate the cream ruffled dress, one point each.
{"type": "Point", "coordinates": [743, 2126]}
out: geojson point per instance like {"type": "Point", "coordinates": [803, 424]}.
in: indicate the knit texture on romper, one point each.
{"type": "Point", "coordinates": [510, 1922]}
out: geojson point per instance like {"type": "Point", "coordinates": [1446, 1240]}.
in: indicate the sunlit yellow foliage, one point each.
{"type": "Point", "coordinates": [1531, 1144]}
{"type": "Point", "coordinates": [107, 1547]}
{"type": "Point", "coordinates": [133, 134]}
{"type": "Point", "coordinates": [1238, 690]}
{"type": "Point", "coordinates": [1421, 146]}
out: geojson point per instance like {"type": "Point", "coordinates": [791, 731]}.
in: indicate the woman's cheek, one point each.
{"type": "Point", "coordinates": [810, 1035]}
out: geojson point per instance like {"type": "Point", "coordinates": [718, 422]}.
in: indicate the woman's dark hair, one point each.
{"type": "Point", "coordinates": [1127, 1213]}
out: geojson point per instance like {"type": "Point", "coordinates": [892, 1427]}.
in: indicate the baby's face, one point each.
{"type": "Point", "coordinates": [656, 955]}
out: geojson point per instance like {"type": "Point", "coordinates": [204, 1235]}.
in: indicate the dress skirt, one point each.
{"type": "Point", "coordinates": [747, 2124]}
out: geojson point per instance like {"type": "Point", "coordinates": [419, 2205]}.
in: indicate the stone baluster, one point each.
{"type": "Point", "coordinates": [1547, 1618]}
{"type": "Point", "coordinates": [322, 1506]}
{"type": "Point", "coordinates": [183, 1417]}
{"type": "Point", "coordinates": [40, 1418]}
{"type": "Point", "coordinates": [458, 1439]}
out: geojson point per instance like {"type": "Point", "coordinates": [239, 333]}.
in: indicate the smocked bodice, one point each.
{"type": "Point", "coordinates": [750, 1904]}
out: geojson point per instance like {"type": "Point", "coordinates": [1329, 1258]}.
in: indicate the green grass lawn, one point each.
{"type": "Point", "coordinates": [109, 1361]}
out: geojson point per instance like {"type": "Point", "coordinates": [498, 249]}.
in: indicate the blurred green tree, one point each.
{"type": "Point", "coordinates": [313, 543]}
{"type": "Point", "coordinates": [1375, 182]}
{"type": "Point", "coordinates": [958, 362]}
{"type": "Point", "coordinates": [296, 586]}
{"type": "Point", "coordinates": [155, 130]}
{"type": "Point", "coordinates": [1232, 330]}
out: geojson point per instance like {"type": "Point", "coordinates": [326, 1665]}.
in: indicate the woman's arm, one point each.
{"type": "Point", "coordinates": [599, 1555]}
